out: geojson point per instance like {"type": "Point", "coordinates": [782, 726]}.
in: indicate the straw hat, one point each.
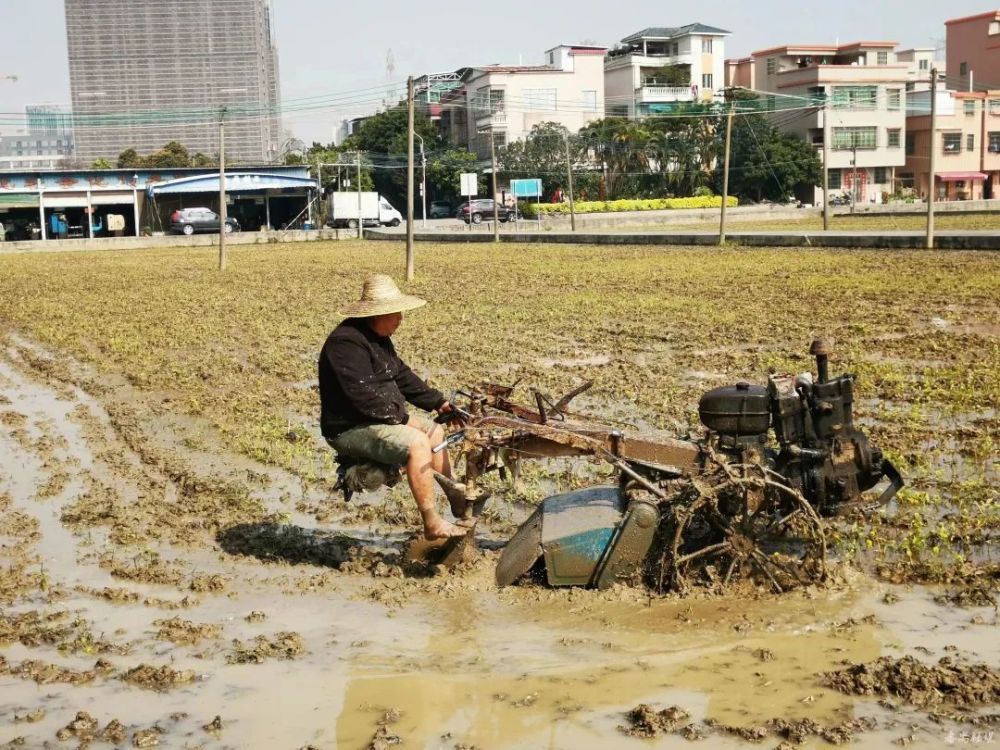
{"type": "Point", "coordinates": [380, 296]}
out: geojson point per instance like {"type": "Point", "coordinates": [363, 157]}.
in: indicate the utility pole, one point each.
{"type": "Point", "coordinates": [409, 178]}
{"type": "Point", "coordinates": [725, 172]}
{"type": "Point", "coordinates": [222, 189]}
{"type": "Point", "coordinates": [569, 185]}
{"type": "Point", "coordinates": [826, 163]}
{"type": "Point", "coordinates": [493, 175]}
{"type": "Point", "coordinates": [854, 162]}
{"type": "Point", "coordinates": [423, 180]}
{"type": "Point", "coordinates": [361, 221]}
{"type": "Point", "coordinates": [931, 161]}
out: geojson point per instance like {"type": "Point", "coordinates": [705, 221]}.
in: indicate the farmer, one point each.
{"type": "Point", "coordinates": [364, 389]}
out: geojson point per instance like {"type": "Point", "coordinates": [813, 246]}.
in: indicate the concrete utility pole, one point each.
{"type": "Point", "coordinates": [826, 164]}
{"type": "Point", "coordinates": [409, 178]}
{"type": "Point", "coordinates": [931, 161]}
{"type": "Point", "coordinates": [423, 181]}
{"type": "Point", "coordinates": [854, 162]}
{"type": "Point", "coordinates": [222, 189]}
{"type": "Point", "coordinates": [493, 175]}
{"type": "Point", "coordinates": [361, 221]}
{"type": "Point", "coordinates": [569, 185]}
{"type": "Point", "coordinates": [725, 173]}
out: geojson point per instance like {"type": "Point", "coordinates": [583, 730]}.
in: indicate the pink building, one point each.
{"type": "Point", "coordinates": [974, 51]}
{"type": "Point", "coordinates": [966, 142]}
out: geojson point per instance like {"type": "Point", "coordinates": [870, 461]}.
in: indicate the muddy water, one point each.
{"type": "Point", "coordinates": [455, 661]}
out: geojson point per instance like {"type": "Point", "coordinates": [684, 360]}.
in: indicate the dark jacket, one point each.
{"type": "Point", "coordinates": [363, 381]}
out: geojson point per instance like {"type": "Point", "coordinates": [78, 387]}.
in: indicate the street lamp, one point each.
{"type": "Point", "coordinates": [423, 182]}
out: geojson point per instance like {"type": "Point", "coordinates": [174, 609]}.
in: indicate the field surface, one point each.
{"type": "Point", "coordinates": [174, 563]}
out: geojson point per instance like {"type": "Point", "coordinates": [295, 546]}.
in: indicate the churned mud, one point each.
{"type": "Point", "coordinates": [158, 590]}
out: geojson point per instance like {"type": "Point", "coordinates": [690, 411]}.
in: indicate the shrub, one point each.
{"type": "Point", "coordinates": [645, 204]}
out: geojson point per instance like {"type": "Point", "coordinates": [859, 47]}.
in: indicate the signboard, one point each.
{"type": "Point", "coordinates": [469, 183]}
{"type": "Point", "coordinates": [526, 188]}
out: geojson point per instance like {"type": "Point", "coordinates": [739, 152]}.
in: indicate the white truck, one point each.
{"type": "Point", "coordinates": [342, 210]}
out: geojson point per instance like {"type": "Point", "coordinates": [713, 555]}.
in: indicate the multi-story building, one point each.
{"type": "Point", "coordinates": [863, 86]}
{"type": "Point", "coordinates": [506, 101]}
{"type": "Point", "coordinates": [973, 51]}
{"type": "Point", "coordinates": [920, 61]}
{"type": "Point", "coordinates": [146, 72]}
{"type": "Point", "coordinates": [654, 68]}
{"type": "Point", "coordinates": [46, 143]}
{"type": "Point", "coordinates": [966, 142]}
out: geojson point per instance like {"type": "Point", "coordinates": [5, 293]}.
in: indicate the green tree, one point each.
{"type": "Point", "coordinates": [443, 174]}
{"type": "Point", "coordinates": [768, 164]}
{"type": "Point", "coordinates": [541, 154]}
{"type": "Point", "coordinates": [129, 159]}
{"type": "Point", "coordinates": [101, 163]}
{"type": "Point", "coordinates": [174, 154]}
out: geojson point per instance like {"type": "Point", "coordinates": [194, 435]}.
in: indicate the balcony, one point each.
{"type": "Point", "coordinates": [656, 94]}
{"type": "Point", "coordinates": [495, 120]}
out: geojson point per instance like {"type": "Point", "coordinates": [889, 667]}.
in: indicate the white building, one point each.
{"type": "Point", "coordinates": [509, 100]}
{"type": "Point", "coordinates": [654, 68]}
{"type": "Point", "coordinates": [865, 86]}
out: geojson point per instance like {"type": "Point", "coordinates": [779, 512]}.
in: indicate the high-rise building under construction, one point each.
{"type": "Point", "coordinates": [147, 72]}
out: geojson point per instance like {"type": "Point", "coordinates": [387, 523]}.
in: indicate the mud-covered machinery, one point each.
{"type": "Point", "coordinates": [745, 500]}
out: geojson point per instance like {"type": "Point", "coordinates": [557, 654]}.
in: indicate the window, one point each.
{"type": "Point", "coordinates": [499, 138]}
{"type": "Point", "coordinates": [892, 98]}
{"type": "Point", "coordinates": [892, 138]}
{"type": "Point", "coordinates": [706, 82]}
{"type": "Point", "coordinates": [676, 49]}
{"type": "Point", "coordinates": [994, 106]}
{"type": "Point", "coordinates": [834, 179]}
{"type": "Point", "coordinates": [855, 97]}
{"type": "Point", "coordinates": [772, 66]}
{"type": "Point", "coordinates": [882, 58]}
{"type": "Point", "coordinates": [994, 28]}
{"type": "Point", "coordinates": [496, 100]}
{"type": "Point", "coordinates": [880, 176]}
{"type": "Point", "coordinates": [589, 100]}
{"type": "Point", "coordinates": [970, 106]}
{"type": "Point", "coordinates": [911, 144]}
{"type": "Point", "coordinates": [909, 86]}
{"type": "Point", "coordinates": [951, 142]}
{"type": "Point", "coordinates": [994, 144]}
{"type": "Point", "coordinates": [865, 138]}
{"type": "Point", "coordinates": [924, 65]}
{"type": "Point", "coordinates": [963, 69]}
{"type": "Point", "coordinates": [970, 141]}
{"type": "Point", "coordinates": [706, 46]}
{"type": "Point", "coordinates": [540, 99]}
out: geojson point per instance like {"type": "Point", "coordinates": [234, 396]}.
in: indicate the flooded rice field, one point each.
{"type": "Point", "coordinates": [168, 578]}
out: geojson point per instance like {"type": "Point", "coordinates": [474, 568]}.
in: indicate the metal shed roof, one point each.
{"type": "Point", "coordinates": [236, 182]}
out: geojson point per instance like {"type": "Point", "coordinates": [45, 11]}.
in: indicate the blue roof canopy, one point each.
{"type": "Point", "coordinates": [236, 182]}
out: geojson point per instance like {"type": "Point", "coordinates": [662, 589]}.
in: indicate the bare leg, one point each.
{"type": "Point", "coordinates": [442, 465]}
{"type": "Point", "coordinates": [420, 477]}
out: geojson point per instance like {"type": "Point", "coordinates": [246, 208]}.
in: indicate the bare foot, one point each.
{"type": "Point", "coordinates": [441, 529]}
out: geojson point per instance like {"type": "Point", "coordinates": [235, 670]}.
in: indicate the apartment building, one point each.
{"type": "Point", "coordinates": [146, 72]}
{"type": "Point", "coordinates": [920, 61]}
{"type": "Point", "coordinates": [653, 69]}
{"type": "Point", "coordinates": [973, 50]}
{"type": "Point", "coordinates": [966, 142]}
{"type": "Point", "coordinates": [46, 143]}
{"type": "Point", "coordinates": [864, 85]}
{"type": "Point", "coordinates": [507, 101]}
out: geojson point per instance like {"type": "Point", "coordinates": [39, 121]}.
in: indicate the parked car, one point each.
{"type": "Point", "coordinates": [191, 220]}
{"type": "Point", "coordinates": [481, 209]}
{"type": "Point", "coordinates": [439, 210]}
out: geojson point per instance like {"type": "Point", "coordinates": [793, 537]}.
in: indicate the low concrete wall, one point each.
{"type": "Point", "coordinates": [883, 240]}
{"type": "Point", "coordinates": [175, 240]}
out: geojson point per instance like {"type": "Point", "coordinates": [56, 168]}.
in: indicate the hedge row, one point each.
{"type": "Point", "coordinates": [650, 204]}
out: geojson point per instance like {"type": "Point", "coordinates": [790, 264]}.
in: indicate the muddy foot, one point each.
{"type": "Point", "coordinates": [442, 529]}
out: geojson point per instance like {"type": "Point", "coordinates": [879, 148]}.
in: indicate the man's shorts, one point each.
{"type": "Point", "coordinates": [383, 443]}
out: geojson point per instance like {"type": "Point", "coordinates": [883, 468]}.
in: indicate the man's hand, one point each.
{"type": "Point", "coordinates": [450, 413]}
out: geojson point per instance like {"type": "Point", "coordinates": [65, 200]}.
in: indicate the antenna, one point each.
{"type": "Point", "coordinates": [390, 68]}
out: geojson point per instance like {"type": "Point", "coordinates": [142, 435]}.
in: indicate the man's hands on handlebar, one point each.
{"type": "Point", "coordinates": [448, 412]}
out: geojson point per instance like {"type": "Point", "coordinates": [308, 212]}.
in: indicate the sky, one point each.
{"type": "Point", "coordinates": [332, 46]}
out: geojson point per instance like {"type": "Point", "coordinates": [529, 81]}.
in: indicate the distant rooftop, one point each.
{"type": "Point", "coordinates": [669, 32]}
